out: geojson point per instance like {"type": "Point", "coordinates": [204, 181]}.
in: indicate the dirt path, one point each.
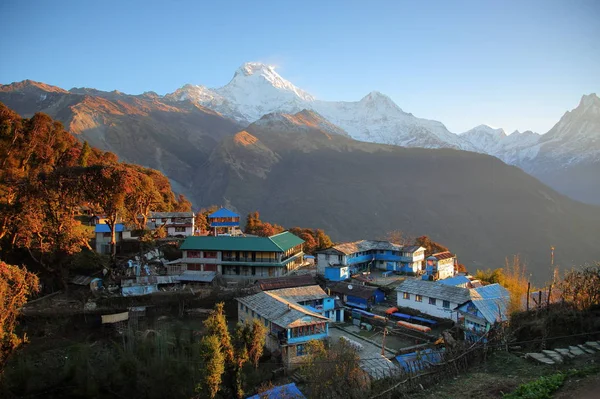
{"type": "Point", "coordinates": [585, 388]}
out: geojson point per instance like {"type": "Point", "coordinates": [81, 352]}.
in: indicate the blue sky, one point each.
{"type": "Point", "coordinates": [511, 64]}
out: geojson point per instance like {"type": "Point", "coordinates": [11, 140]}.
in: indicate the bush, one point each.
{"type": "Point", "coordinates": [542, 388]}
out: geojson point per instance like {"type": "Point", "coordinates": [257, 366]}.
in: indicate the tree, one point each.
{"type": "Point", "coordinates": [323, 240]}
{"type": "Point", "coordinates": [214, 365]}
{"type": "Point", "coordinates": [182, 204]}
{"type": "Point", "coordinates": [431, 247]}
{"type": "Point", "coordinates": [255, 226]}
{"type": "Point", "coordinates": [16, 286]}
{"type": "Point", "coordinates": [400, 237]}
{"type": "Point", "coordinates": [335, 372]}
{"type": "Point", "coordinates": [85, 154]}
{"type": "Point", "coordinates": [216, 324]}
{"type": "Point", "coordinates": [512, 277]}
{"type": "Point", "coordinates": [256, 344]}
{"type": "Point", "coordinates": [581, 287]}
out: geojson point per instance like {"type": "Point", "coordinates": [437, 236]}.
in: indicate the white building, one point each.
{"type": "Point", "coordinates": [432, 298]}
{"type": "Point", "coordinates": [439, 266]}
{"type": "Point", "coordinates": [175, 223]}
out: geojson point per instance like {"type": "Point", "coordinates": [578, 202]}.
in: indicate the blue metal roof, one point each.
{"type": "Point", "coordinates": [401, 315]}
{"type": "Point", "coordinates": [288, 391]}
{"type": "Point", "coordinates": [103, 228]}
{"type": "Point", "coordinates": [457, 280]}
{"type": "Point", "coordinates": [424, 320]}
{"type": "Point", "coordinates": [491, 301]}
{"type": "Point", "coordinates": [223, 213]}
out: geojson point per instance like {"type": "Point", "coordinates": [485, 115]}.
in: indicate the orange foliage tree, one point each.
{"type": "Point", "coordinates": [16, 286]}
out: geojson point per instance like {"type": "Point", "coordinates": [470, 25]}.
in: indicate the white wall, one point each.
{"type": "Point", "coordinates": [436, 310]}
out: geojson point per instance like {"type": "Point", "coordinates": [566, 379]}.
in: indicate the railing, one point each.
{"type": "Point", "coordinates": [242, 259]}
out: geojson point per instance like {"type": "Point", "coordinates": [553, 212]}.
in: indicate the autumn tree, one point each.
{"type": "Point", "coordinates": [86, 150]}
{"type": "Point", "coordinates": [335, 372]}
{"type": "Point", "coordinates": [581, 287]}
{"type": "Point", "coordinates": [431, 247]}
{"type": "Point", "coordinates": [400, 237]}
{"type": "Point", "coordinates": [216, 324]}
{"type": "Point", "coordinates": [513, 277]}
{"type": "Point", "coordinates": [255, 226]}
{"type": "Point", "coordinates": [16, 286]}
{"type": "Point", "coordinates": [201, 221]}
{"type": "Point", "coordinates": [214, 365]}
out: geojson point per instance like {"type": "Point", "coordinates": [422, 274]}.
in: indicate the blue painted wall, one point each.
{"type": "Point", "coordinates": [328, 303]}
{"type": "Point", "coordinates": [337, 273]}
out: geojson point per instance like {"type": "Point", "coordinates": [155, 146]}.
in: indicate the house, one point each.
{"type": "Point", "coordinates": [287, 391]}
{"type": "Point", "coordinates": [289, 325]}
{"type": "Point", "coordinates": [241, 257]}
{"type": "Point", "coordinates": [432, 298]}
{"type": "Point", "coordinates": [103, 237]}
{"type": "Point", "coordinates": [357, 296]}
{"type": "Point", "coordinates": [342, 260]}
{"type": "Point", "coordinates": [439, 266]}
{"type": "Point", "coordinates": [97, 219]}
{"type": "Point", "coordinates": [225, 222]}
{"type": "Point", "coordinates": [313, 298]}
{"type": "Point", "coordinates": [175, 223]}
{"type": "Point", "coordinates": [487, 306]}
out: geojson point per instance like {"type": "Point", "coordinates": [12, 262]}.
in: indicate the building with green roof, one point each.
{"type": "Point", "coordinates": [241, 257]}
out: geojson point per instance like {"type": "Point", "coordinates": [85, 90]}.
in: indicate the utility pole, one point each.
{"type": "Point", "coordinates": [383, 341]}
{"type": "Point", "coordinates": [528, 288]}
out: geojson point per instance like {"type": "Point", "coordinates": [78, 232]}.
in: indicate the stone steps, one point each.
{"type": "Point", "coordinates": [558, 355]}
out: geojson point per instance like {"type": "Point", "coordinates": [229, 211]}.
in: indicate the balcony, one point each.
{"type": "Point", "coordinates": [248, 259]}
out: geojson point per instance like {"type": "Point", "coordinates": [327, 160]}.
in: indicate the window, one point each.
{"type": "Point", "coordinates": [300, 350]}
{"type": "Point", "coordinates": [180, 229]}
{"type": "Point", "coordinates": [210, 254]}
{"type": "Point", "coordinates": [446, 304]}
{"type": "Point", "coordinates": [432, 301]}
{"type": "Point", "coordinates": [406, 295]}
{"type": "Point", "coordinates": [419, 298]}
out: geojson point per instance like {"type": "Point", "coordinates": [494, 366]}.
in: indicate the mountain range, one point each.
{"type": "Point", "coordinates": [305, 166]}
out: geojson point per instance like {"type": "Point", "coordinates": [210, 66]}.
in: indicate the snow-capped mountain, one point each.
{"type": "Point", "coordinates": [512, 149]}
{"type": "Point", "coordinates": [256, 89]}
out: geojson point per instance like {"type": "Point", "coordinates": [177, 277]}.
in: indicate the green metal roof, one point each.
{"type": "Point", "coordinates": [277, 243]}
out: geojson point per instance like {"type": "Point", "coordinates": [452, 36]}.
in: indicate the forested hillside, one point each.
{"type": "Point", "coordinates": [47, 175]}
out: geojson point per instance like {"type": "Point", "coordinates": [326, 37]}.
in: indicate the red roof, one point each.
{"type": "Point", "coordinates": [443, 255]}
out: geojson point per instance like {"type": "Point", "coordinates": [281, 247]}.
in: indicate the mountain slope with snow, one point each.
{"type": "Point", "coordinates": [256, 90]}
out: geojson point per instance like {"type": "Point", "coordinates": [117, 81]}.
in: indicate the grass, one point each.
{"type": "Point", "coordinates": [505, 373]}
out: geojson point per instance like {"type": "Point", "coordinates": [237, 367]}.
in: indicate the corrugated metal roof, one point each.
{"type": "Point", "coordinates": [284, 313]}
{"type": "Point", "coordinates": [492, 301]}
{"type": "Point", "coordinates": [277, 243]}
{"type": "Point", "coordinates": [442, 255]}
{"type": "Point", "coordinates": [301, 294]}
{"type": "Point", "coordinates": [82, 280]}
{"type": "Point", "coordinates": [161, 215]}
{"type": "Point", "coordinates": [368, 245]}
{"type": "Point", "coordinates": [360, 291]}
{"type": "Point", "coordinates": [286, 282]}
{"type": "Point", "coordinates": [456, 280]}
{"type": "Point", "coordinates": [434, 289]}
{"type": "Point", "coordinates": [104, 228]}
{"type": "Point", "coordinates": [204, 277]}
{"type": "Point", "coordinates": [288, 391]}
{"type": "Point", "coordinates": [224, 213]}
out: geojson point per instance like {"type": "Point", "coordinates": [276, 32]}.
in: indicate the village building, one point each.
{"type": "Point", "coordinates": [357, 296]}
{"type": "Point", "coordinates": [224, 222]}
{"type": "Point", "coordinates": [103, 237]}
{"type": "Point", "coordinates": [432, 298]}
{"type": "Point", "coordinates": [277, 283]}
{"type": "Point", "coordinates": [174, 223]}
{"type": "Point", "coordinates": [458, 281]}
{"type": "Point", "coordinates": [287, 391]}
{"type": "Point", "coordinates": [487, 306]}
{"type": "Point", "coordinates": [289, 325]}
{"type": "Point", "coordinates": [340, 261]}
{"type": "Point", "coordinates": [439, 266]}
{"type": "Point", "coordinates": [241, 257]}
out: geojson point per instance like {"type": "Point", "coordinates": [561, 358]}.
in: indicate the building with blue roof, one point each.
{"type": "Point", "coordinates": [288, 391]}
{"type": "Point", "coordinates": [103, 237]}
{"type": "Point", "coordinates": [224, 222]}
{"type": "Point", "coordinates": [340, 261]}
{"type": "Point", "coordinates": [488, 305]}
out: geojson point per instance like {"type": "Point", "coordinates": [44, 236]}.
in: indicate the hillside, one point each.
{"type": "Point", "coordinates": [143, 129]}
{"type": "Point", "coordinates": [482, 208]}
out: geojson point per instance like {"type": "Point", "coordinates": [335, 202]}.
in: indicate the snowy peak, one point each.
{"type": "Point", "coordinates": [589, 100]}
{"type": "Point", "coordinates": [486, 130]}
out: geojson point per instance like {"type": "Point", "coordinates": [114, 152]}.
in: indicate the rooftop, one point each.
{"type": "Point", "coordinates": [360, 291]}
{"type": "Point", "coordinates": [287, 391]}
{"type": "Point", "coordinates": [456, 280]}
{"type": "Point", "coordinates": [277, 243]}
{"type": "Point", "coordinates": [434, 289]}
{"type": "Point", "coordinates": [223, 213]}
{"type": "Point", "coordinates": [280, 311]}
{"type": "Point", "coordinates": [442, 255]}
{"type": "Point", "coordinates": [301, 294]}
{"type": "Point", "coordinates": [161, 215]}
{"type": "Point", "coordinates": [368, 245]}
{"type": "Point", "coordinates": [286, 282]}
{"type": "Point", "coordinates": [104, 228]}
{"type": "Point", "coordinates": [492, 301]}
